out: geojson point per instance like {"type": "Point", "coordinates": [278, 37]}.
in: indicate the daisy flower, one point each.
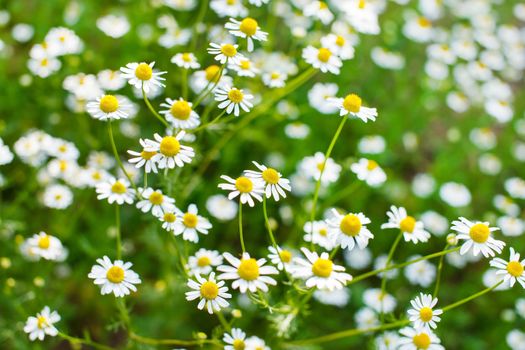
{"type": "Point", "coordinates": [320, 271]}
{"type": "Point", "coordinates": [180, 114]}
{"type": "Point", "coordinates": [317, 232]}
{"type": "Point", "coordinates": [225, 53]}
{"type": "Point", "coordinates": [142, 76]}
{"type": "Point", "coordinates": [235, 339]}
{"type": "Point", "coordinates": [231, 98]}
{"type": "Point", "coordinates": [247, 189]}
{"type": "Point", "coordinates": [212, 294]}
{"type": "Point", "coordinates": [513, 270]}
{"type": "Point", "coordinates": [245, 68]}
{"type": "Point", "coordinates": [413, 230]}
{"type": "Point", "coordinates": [57, 196]}
{"type": "Point", "coordinates": [115, 191]}
{"type": "Point", "coordinates": [379, 300]}
{"type": "Point", "coordinates": [247, 28]}
{"type": "Point", "coordinates": [116, 278]}
{"type": "Point", "coordinates": [423, 314]}
{"type": "Point", "coordinates": [322, 59]}
{"type": "Point", "coordinates": [247, 273]}
{"type": "Point", "coordinates": [203, 261]}
{"type": "Point", "coordinates": [349, 230]}
{"type": "Point", "coordinates": [186, 60]}
{"type": "Point", "coordinates": [170, 219]}
{"type": "Point", "coordinates": [282, 258]}
{"type": "Point", "coordinates": [108, 107]}
{"type": "Point", "coordinates": [42, 324]}
{"type": "Point", "coordinates": [155, 201]}
{"type": "Point", "coordinates": [413, 339]}
{"type": "Point", "coordinates": [191, 224]}
{"type": "Point", "coordinates": [477, 235]}
{"type": "Point", "coordinates": [274, 183]}
{"type": "Point", "coordinates": [369, 171]}
{"type": "Point", "coordinates": [143, 158]}
{"type": "Point", "coordinates": [339, 46]}
{"type": "Point", "coordinates": [46, 246]}
{"type": "Point", "coordinates": [352, 104]}
{"type": "Point", "coordinates": [169, 152]}
{"type": "Point", "coordinates": [315, 165]}
{"type": "Point", "coordinates": [274, 79]}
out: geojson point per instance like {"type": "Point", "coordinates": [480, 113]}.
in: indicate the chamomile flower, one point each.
{"type": "Point", "coordinates": [116, 191]}
{"type": "Point", "coordinates": [108, 107]}
{"type": "Point", "coordinates": [232, 98]}
{"type": "Point", "coordinates": [274, 79]}
{"type": "Point", "coordinates": [282, 258]}
{"type": "Point", "coordinates": [203, 261]}
{"type": "Point", "coordinates": [170, 219]}
{"type": "Point", "coordinates": [247, 189]}
{"type": "Point", "coordinates": [190, 225]}
{"type": "Point", "coordinates": [186, 60]}
{"type": "Point", "coordinates": [349, 230]}
{"type": "Point", "coordinates": [379, 300]}
{"type": "Point", "coordinates": [116, 278]}
{"type": "Point", "coordinates": [142, 76]}
{"type": "Point", "coordinates": [231, 8]}
{"type": "Point", "coordinates": [245, 68]}
{"type": "Point", "coordinates": [155, 201]}
{"type": "Point", "coordinates": [369, 171]}
{"type": "Point", "coordinates": [274, 183]}
{"type": "Point", "coordinates": [315, 165]}
{"type": "Point", "coordinates": [46, 246]}
{"type": "Point", "coordinates": [247, 273]}
{"type": "Point", "coordinates": [57, 196]}
{"type": "Point", "coordinates": [320, 271]}
{"type": "Point", "coordinates": [413, 230]}
{"type": "Point", "coordinates": [143, 158]}
{"type": "Point", "coordinates": [477, 236]}
{"type": "Point", "coordinates": [322, 59]}
{"type": "Point", "coordinates": [42, 324]}
{"type": "Point", "coordinates": [352, 104]}
{"type": "Point", "coordinates": [339, 46]}
{"type": "Point", "coordinates": [235, 339]}
{"type": "Point", "coordinates": [423, 314]}
{"type": "Point", "coordinates": [512, 270]}
{"type": "Point", "coordinates": [212, 294]}
{"type": "Point", "coordinates": [317, 232]}
{"type": "Point", "coordinates": [180, 114]}
{"type": "Point", "coordinates": [413, 339]}
{"type": "Point", "coordinates": [247, 28]}
{"type": "Point", "coordinates": [170, 153]}
{"type": "Point", "coordinates": [225, 53]}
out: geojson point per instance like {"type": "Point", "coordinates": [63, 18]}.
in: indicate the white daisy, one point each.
{"type": "Point", "coordinates": [413, 231]}
{"type": "Point", "coordinates": [247, 189]}
{"type": "Point", "coordinates": [369, 171]}
{"type": "Point", "coordinates": [352, 104]}
{"type": "Point", "coordinates": [170, 219]}
{"type": "Point", "coordinates": [57, 196]}
{"type": "Point", "coordinates": [142, 76]}
{"type": "Point", "coordinates": [247, 273]}
{"type": "Point", "coordinates": [185, 60]}
{"type": "Point", "coordinates": [322, 59]}
{"type": "Point", "coordinates": [203, 261]}
{"type": "Point", "coordinates": [320, 271]}
{"type": "Point", "coordinates": [212, 294]}
{"type": "Point", "coordinates": [274, 183]}
{"type": "Point", "coordinates": [349, 230]}
{"type": "Point", "coordinates": [225, 53]}
{"type": "Point", "coordinates": [108, 107]}
{"type": "Point", "coordinates": [155, 201]}
{"type": "Point", "coordinates": [423, 314]}
{"type": "Point", "coordinates": [46, 246]}
{"type": "Point", "coordinates": [317, 232]}
{"type": "Point", "coordinates": [274, 79]}
{"type": "Point", "coordinates": [247, 28]}
{"type": "Point", "coordinates": [282, 258]}
{"type": "Point", "coordinates": [116, 278]}
{"type": "Point", "coordinates": [232, 98]}
{"type": "Point", "coordinates": [512, 270]}
{"type": "Point", "coordinates": [180, 114]}
{"type": "Point", "coordinates": [115, 191]}
{"type": "Point", "coordinates": [143, 158]}
{"type": "Point", "coordinates": [169, 151]}
{"type": "Point", "coordinates": [245, 68]}
{"type": "Point", "coordinates": [379, 300]}
{"type": "Point", "coordinates": [42, 324]}
{"type": "Point", "coordinates": [339, 46]}
{"type": "Point", "coordinates": [190, 225]}
{"type": "Point", "coordinates": [235, 339]}
{"type": "Point", "coordinates": [413, 339]}
{"type": "Point", "coordinates": [477, 235]}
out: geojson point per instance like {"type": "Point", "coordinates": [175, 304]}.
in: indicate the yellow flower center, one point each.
{"type": "Point", "coordinates": [118, 187]}
{"type": "Point", "coordinates": [515, 268]}
{"type": "Point", "coordinates": [44, 62]}
{"type": "Point", "coordinates": [340, 41]}
{"type": "Point", "coordinates": [248, 26]}
{"type": "Point", "coordinates": [62, 165]}
{"type": "Point", "coordinates": [228, 50]}
{"type": "Point", "coordinates": [147, 155]}
{"type": "Point", "coordinates": [190, 220]}
{"type": "Point", "coordinates": [156, 198]}
{"type": "Point", "coordinates": [44, 242]}
{"type": "Point", "coordinates": [245, 64]}
{"type": "Point", "coordinates": [170, 217]}
{"type": "Point", "coordinates": [421, 341]}
{"type": "Point", "coordinates": [371, 165]}
{"type": "Point", "coordinates": [479, 233]}
{"type": "Point", "coordinates": [322, 267]}
{"type": "Point", "coordinates": [238, 344]}
{"type": "Point", "coordinates": [243, 184]}
{"type": "Point", "coordinates": [352, 103]}
{"type": "Point", "coordinates": [323, 232]}
{"type": "Point", "coordinates": [408, 224]}
{"type": "Point", "coordinates": [143, 72]}
{"type": "Point", "coordinates": [271, 176]}
{"type": "Point", "coordinates": [425, 314]}
{"type": "Point", "coordinates": [423, 22]}
{"type": "Point", "coordinates": [324, 54]}
{"type": "Point", "coordinates": [320, 166]}
{"type": "Point", "coordinates": [115, 274]}
{"type": "Point", "coordinates": [108, 104]}
{"type": "Point", "coordinates": [285, 256]}
{"type": "Point", "coordinates": [275, 75]}
{"type": "Point", "coordinates": [41, 322]}
{"type": "Point", "coordinates": [322, 5]}
{"type": "Point", "coordinates": [180, 110]}
{"type": "Point", "coordinates": [169, 146]}
{"type": "Point", "coordinates": [248, 269]}
{"type": "Point", "coordinates": [362, 4]}
{"type": "Point", "coordinates": [212, 73]}
{"type": "Point", "coordinates": [209, 290]}
{"type": "Point", "coordinates": [235, 95]}
{"type": "Point", "coordinates": [350, 225]}
{"type": "Point", "coordinates": [203, 261]}
{"type": "Point", "coordinates": [186, 57]}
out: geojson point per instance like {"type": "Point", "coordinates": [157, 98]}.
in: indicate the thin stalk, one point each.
{"type": "Point", "coordinates": [206, 89]}
{"type": "Point", "coordinates": [472, 297]}
{"type": "Point", "coordinates": [388, 260]}
{"type": "Point", "coordinates": [152, 110]}
{"type": "Point", "coordinates": [241, 237]}
{"type": "Point", "coordinates": [439, 272]}
{"type": "Point", "coordinates": [204, 126]}
{"type": "Point", "coordinates": [223, 321]}
{"type": "Point", "coordinates": [75, 340]}
{"type": "Point", "coordinates": [173, 342]}
{"type": "Point", "coordinates": [198, 21]}
{"type": "Point", "coordinates": [117, 157]}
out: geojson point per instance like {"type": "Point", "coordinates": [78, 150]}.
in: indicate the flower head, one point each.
{"type": "Point", "coordinates": [116, 278]}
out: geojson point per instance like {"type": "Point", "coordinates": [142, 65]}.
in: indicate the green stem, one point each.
{"type": "Point", "coordinates": [216, 79]}
{"type": "Point", "coordinates": [473, 296]}
{"type": "Point", "coordinates": [267, 223]}
{"type": "Point", "coordinates": [241, 237]}
{"type": "Point", "coordinates": [440, 269]}
{"type": "Point", "coordinates": [117, 157]}
{"type": "Point", "coordinates": [223, 321]}
{"type": "Point", "coordinates": [388, 260]}
{"type": "Point", "coordinates": [334, 251]}
{"type": "Point", "coordinates": [121, 306]}
{"type": "Point", "coordinates": [345, 192]}
{"type": "Point", "coordinates": [75, 340]}
{"type": "Point", "coordinates": [152, 110]}
{"type": "Point", "coordinates": [173, 342]}
{"type": "Point", "coordinates": [184, 84]}
{"type": "Point", "coordinates": [204, 126]}
{"type": "Point", "coordinates": [117, 219]}
{"type": "Point", "coordinates": [198, 21]}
